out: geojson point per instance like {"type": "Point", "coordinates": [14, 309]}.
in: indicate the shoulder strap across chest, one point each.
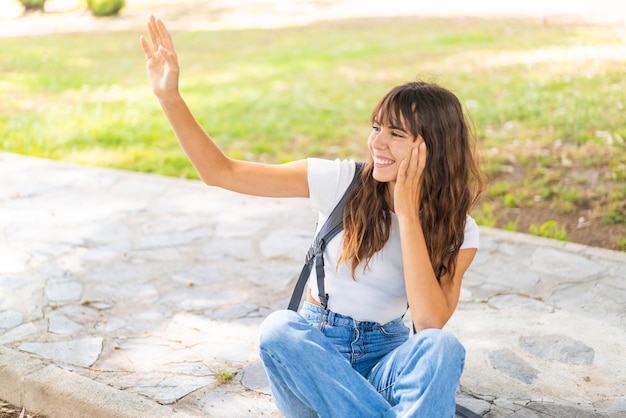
{"type": "Point", "coordinates": [332, 226]}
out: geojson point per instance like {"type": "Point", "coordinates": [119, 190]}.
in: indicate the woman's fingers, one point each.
{"type": "Point", "coordinates": [164, 35]}
{"type": "Point", "coordinates": [407, 190]}
{"type": "Point", "coordinates": [422, 156]}
{"type": "Point", "coordinates": [160, 38]}
{"type": "Point", "coordinates": [153, 33]}
{"type": "Point", "coordinates": [409, 167]}
{"type": "Point", "coordinates": [413, 162]}
{"type": "Point", "coordinates": [146, 48]}
{"type": "Point", "coordinates": [402, 168]}
{"type": "Point", "coordinates": [169, 56]}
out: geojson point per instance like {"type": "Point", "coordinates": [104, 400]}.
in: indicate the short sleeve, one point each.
{"type": "Point", "coordinates": [328, 180]}
{"type": "Point", "coordinates": [472, 235]}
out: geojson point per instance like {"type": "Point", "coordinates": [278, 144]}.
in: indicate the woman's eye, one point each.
{"type": "Point", "coordinates": [376, 128]}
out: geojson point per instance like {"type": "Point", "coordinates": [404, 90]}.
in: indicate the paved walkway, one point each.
{"type": "Point", "coordinates": [127, 295]}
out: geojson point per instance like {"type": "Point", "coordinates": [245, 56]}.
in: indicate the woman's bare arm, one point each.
{"type": "Point", "coordinates": [214, 168]}
{"type": "Point", "coordinates": [432, 302]}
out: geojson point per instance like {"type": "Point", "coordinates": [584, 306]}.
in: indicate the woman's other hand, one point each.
{"type": "Point", "coordinates": [161, 60]}
{"type": "Point", "coordinates": [406, 193]}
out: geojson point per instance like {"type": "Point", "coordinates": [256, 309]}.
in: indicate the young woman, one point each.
{"type": "Point", "coordinates": [407, 239]}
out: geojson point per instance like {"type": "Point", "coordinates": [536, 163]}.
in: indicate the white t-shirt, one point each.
{"type": "Point", "coordinates": [378, 293]}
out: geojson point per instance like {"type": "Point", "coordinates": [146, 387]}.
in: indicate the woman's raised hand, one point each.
{"type": "Point", "coordinates": [161, 60]}
{"type": "Point", "coordinates": [407, 190]}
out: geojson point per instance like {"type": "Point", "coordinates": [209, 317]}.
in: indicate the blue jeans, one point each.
{"type": "Point", "coordinates": [346, 368]}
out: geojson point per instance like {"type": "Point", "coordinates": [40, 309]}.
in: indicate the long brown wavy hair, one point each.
{"type": "Point", "coordinates": [451, 181]}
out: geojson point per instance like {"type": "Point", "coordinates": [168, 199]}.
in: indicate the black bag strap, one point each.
{"type": "Point", "coordinates": [332, 226]}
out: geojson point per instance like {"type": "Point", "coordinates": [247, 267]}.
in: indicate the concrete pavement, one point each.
{"type": "Point", "coordinates": [131, 295]}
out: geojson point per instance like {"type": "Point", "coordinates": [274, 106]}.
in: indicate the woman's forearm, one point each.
{"type": "Point", "coordinates": [213, 167]}
{"type": "Point", "coordinates": [209, 161]}
{"type": "Point", "coordinates": [427, 301]}
{"type": "Point", "coordinates": [216, 169]}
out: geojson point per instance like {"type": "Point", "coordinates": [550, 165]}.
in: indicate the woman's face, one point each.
{"type": "Point", "coordinates": [389, 145]}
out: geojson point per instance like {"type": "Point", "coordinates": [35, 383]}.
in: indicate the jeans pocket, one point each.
{"type": "Point", "coordinates": [393, 329]}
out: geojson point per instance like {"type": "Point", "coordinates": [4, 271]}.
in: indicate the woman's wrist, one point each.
{"type": "Point", "coordinates": [412, 217]}
{"type": "Point", "coordinates": [172, 97]}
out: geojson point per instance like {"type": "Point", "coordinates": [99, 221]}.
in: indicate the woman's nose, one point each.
{"type": "Point", "coordinates": [379, 140]}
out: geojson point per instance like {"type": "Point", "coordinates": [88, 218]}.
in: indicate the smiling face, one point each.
{"type": "Point", "coordinates": [389, 144]}
{"type": "Point", "coordinates": [395, 132]}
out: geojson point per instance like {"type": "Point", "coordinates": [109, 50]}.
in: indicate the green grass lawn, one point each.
{"type": "Point", "coordinates": [547, 100]}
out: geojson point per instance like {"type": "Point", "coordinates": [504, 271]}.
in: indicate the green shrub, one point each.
{"type": "Point", "coordinates": [512, 225]}
{"type": "Point", "coordinates": [105, 7]}
{"type": "Point", "coordinates": [614, 218]}
{"type": "Point", "coordinates": [486, 215]}
{"type": "Point", "coordinates": [510, 201]}
{"type": "Point", "coordinates": [549, 229]}
{"type": "Point", "coordinates": [32, 5]}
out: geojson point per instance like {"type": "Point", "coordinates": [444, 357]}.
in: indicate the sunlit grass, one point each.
{"type": "Point", "coordinates": [546, 99]}
{"type": "Point", "coordinates": [287, 93]}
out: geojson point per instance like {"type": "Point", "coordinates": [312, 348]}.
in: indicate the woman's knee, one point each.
{"type": "Point", "coordinates": [442, 342]}
{"type": "Point", "coordinates": [277, 328]}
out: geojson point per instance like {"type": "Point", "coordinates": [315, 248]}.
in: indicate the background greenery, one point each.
{"type": "Point", "coordinates": [547, 101]}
